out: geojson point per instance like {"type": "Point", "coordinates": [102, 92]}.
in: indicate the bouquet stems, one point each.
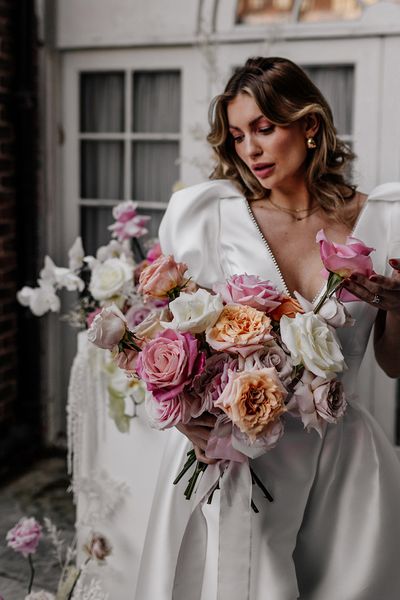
{"type": "Point", "coordinates": [334, 283]}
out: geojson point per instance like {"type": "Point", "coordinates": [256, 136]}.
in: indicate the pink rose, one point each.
{"type": "Point", "coordinates": [136, 314]}
{"type": "Point", "coordinates": [168, 363]}
{"type": "Point", "coordinates": [272, 356]}
{"type": "Point", "coordinates": [345, 259]}
{"type": "Point", "coordinates": [126, 360]}
{"type": "Point", "coordinates": [253, 400]}
{"type": "Point", "coordinates": [91, 316]}
{"type": "Point", "coordinates": [163, 414]}
{"type": "Point", "coordinates": [24, 536]}
{"type": "Point", "coordinates": [108, 328]}
{"type": "Point", "coordinates": [154, 253]}
{"type": "Point", "coordinates": [162, 278]}
{"type": "Point", "coordinates": [317, 400]}
{"type": "Point", "coordinates": [249, 290]}
{"type": "Point", "coordinates": [128, 223]}
{"type": "Point", "coordinates": [208, 386]}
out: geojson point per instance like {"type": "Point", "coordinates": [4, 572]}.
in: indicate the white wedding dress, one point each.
{"type": "Point", "coordinates": [333, 530]}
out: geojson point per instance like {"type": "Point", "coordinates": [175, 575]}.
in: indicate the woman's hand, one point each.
{"type": "Point", "coordinates": [379, 291]}
{"type": "Point", "coordinates": [198, 431]}
{"type": "Point", "coordinates": [383, 293]}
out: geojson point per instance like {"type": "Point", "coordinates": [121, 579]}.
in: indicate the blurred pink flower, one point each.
{"type": "Point", "coordinates": [128, 223]}
{"type": "Point", "coordinates": [168, 363]}
{"type": "Point", "coordinates": [98, 547]}
{"type": "Point", "coordinates": [136, 314]}
{"type": "Point", "coordinates": [154, 253]}
{"type": "Point", "coordinates": [91, 316]}
{"type": "Point", "coordinates": [24, 536]}
{"type": "Point", "coordinates": [249, 290]}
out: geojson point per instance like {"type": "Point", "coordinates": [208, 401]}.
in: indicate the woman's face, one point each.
{"type": "Point", "coordinates": [276, 155]}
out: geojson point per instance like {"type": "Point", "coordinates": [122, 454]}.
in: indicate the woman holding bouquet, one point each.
{"type": "Point", "coordinates": [332, 531]}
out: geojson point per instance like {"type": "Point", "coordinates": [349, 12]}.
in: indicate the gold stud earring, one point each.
{"type": "Point", "coordinates": [311, 143]}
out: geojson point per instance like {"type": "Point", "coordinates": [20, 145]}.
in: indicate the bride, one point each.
{"type": "Point", "coordinates": [332, 532]}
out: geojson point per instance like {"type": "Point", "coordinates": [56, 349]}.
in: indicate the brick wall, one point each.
{"type": "Point", "coordinates": [20, 426]}
{"type": "Point", "coordinates": [8, 247]}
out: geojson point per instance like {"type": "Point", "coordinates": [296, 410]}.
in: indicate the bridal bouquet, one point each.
{"type": "Point", "coordinates": [244, 352]}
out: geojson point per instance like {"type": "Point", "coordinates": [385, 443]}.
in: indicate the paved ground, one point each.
{"type": "Point", "coordinates": [41, 492]}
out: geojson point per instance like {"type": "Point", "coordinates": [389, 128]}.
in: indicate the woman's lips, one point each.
{"type": "Point", "coordinates": [263, 170]}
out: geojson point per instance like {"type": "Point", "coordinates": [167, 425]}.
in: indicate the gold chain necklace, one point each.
{"type": "Point", "coordinates": [294, 212]}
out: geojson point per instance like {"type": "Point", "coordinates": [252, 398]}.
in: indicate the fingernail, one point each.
{"type": "Point", "coordinates": [394, 263]}
{"type": "Point", "coordinates": [373, 278]}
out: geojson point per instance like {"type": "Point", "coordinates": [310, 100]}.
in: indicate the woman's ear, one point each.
{"type": "Point", "coordinates": [311, 124]}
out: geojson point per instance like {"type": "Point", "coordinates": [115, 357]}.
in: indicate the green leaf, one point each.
{"type": "Point", "coordinates": [116, 410]}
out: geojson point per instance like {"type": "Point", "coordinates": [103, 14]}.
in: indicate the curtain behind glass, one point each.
{"type": "Point", "coordinates": [102, 170]}
{"type": "Point", "coordinates": [154, 170]}
{"type": "Point", "coordinates": [156, 102]}
{"type": "Point", "coordinates": [102, 102]}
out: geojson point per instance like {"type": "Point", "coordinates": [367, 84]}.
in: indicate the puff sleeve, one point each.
{"type": "Point", "coordinates": [389, 194]}
{"type": "Point", "coordinates": [190, 231]}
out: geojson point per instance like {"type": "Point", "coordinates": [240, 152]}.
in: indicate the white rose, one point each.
{"type": "Point", "coordinates": [313, 343]}
{"type": "Point", "coordinates": [332, 311]}
{"type": "Point", "coordinates": [109, 278]}
{"type": "Point", "coordinates": [114, 249]}
{"type": "Point", "coordinates": [39, 299]}
{"type": "Point", "coordinates": [108, 328]}
{"type": "Point", "coordinates": [195, 312]}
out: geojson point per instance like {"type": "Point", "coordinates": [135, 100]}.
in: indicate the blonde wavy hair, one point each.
{"type": "Point", "coordinates": [284, 94]}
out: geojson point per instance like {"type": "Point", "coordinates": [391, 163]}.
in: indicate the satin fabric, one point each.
{"type": "Point", "coordinates": [333, 531]}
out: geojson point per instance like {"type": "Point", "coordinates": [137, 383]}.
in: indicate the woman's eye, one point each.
{"type": "Point", "coordinates": [237, 139]}
{"type": "Point", "coordinates": [266, 129]}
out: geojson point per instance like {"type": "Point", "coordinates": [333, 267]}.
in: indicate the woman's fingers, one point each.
{"type": "Point", "coordinates": [395, 263]}
{"type": "Point", "coordinates": [377, 287]}
{"type": "Point", "coordinates": [202, 457]}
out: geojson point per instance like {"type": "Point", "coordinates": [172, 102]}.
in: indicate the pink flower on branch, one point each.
{"type": "Point", "coordinates": [341, 261]}
{"type": "Point", "coordinates": [128, 223]}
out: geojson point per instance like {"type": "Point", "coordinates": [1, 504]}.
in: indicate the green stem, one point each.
{"type": "Point", "coordinates": [32, 574]}
{"type": "Point", "coordinates": [191, 459]}
{"type": "Point", "coordinates": [334, 282]}
{"type": "Point", "coordinates": [76, 580]}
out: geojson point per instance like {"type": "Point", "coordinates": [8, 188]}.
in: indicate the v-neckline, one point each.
{"type": "Point", "coordinates": [274, 260]}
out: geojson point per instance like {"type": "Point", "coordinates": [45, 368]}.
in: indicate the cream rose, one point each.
{"type": "Point", "coordinates": [195, 312]}
{"type": "Point", "coordinates": [313, 343]}
{"type": "Point", "coordinates": [108, 328]}
{"type": "Point", "coordinates": [239, 329]}
{"type": "Point", "coordinates": [109, 278]}
{"type": "Point", "coordinates": [151, 326]}
{"type": "Point", "coordinates": [253, 400]}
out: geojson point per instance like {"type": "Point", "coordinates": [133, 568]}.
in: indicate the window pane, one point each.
{"type": "Point", "coordinates": [156, 102]}
{"type": "Point", "coordinates": [254, 12]}
{"type": "Point", "coordinates": [337, 85]}
{"type": "Point", "coordinates": [102, 102]}
{"type": "Point", "coordinates": [330, 10]}
{"type": "Point", "coordinates": [154, 170]}
{"type": "Point", "coordinates": [156, 215]}
{"type": "Point", "coordinates": [101, 170]}
{"type": "Point", "coordinates": [94, 223]}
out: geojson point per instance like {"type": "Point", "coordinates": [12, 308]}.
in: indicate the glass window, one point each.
{"type": "Point", "coordinates": [129, 146]}
{"type": "Point", "coordinates": [254, 12]}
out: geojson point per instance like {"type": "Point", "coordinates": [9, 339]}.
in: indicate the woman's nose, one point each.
{"type": "Point", "coordinates": [253, 149]}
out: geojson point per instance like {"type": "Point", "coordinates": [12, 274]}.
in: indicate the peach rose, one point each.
{"type": "Point", "coordinates": [239, 329]}
{"type": "Point", "coordinates": [289, 307]}
{"type": "Point", "coordinates": [162, 278]}
{"type": "Point", "coordinates": [253, 400]}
